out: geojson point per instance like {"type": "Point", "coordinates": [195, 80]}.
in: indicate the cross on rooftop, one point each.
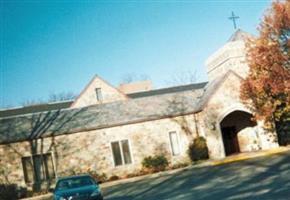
{"type": "Point", "coordinates": [234, 17]}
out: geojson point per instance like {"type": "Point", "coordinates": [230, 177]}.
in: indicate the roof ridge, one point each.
{"type": "Point", "coordinates": [166, 88]}
{"type": "Point", "coordinates": [35, 105]}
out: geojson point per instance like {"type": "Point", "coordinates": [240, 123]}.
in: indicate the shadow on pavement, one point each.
{"type": "Point", "coordinates": [259, 178]}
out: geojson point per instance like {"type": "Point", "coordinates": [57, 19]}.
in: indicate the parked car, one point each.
{"type": "Point", "coordinates": [82, 187]}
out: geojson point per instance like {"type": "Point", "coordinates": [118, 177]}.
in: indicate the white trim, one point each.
{"type": "Point", "coordinates": [232, 108]}
{"type": "Point", "coordinates": [178, 141]}
{"type": "Point", "coordinates": [99, 94]}
{"type": "Point", "coordinates": [130, 151]}
{"type": "Point", "coordinates": [224, 113]}
{"type": "Point", "coordinates": [121, 151]}
{"type": "Point", "coordinates": [114, 164]}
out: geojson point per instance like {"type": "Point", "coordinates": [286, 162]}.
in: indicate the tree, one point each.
{"type": "Point", "coordinates": [53, 97]}
{"type": "Point", "coordinates": [38, 137]}
{"type": "Point", "coordinates": [182, 77]}
{"type": "Point", "coordinates": [131, 77]}
{"type": "Point", "coordinates": [267, 87]}
{"type": "Point", "coordinates": [62, 96]}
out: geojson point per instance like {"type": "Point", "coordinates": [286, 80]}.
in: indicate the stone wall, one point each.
{"type": "Point", "coordinates": [248, 139]}
{"type": "Point", "coordinates": [84, 151]}
{"type": "Point", "coordinates": [88, 95]}
{"type": "Point", "coordinates": [229, 57]}
{"type": "Point", "coordinates": [246, 129]}
{"type": "Point", "coordinates": [225, 100]}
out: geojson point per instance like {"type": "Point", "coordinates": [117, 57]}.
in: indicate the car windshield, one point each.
{"type": "Point", "coordinates": [75, 182]}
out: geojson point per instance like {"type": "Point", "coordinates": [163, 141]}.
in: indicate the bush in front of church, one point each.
{"type": "Point", "coordinates": [155, 163]}
{"type": "Point", "coordinates": [198, 150]}
{"type": "Point", "coordinates": [11, 191]}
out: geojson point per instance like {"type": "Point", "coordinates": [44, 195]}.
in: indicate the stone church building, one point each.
{"type": "Point", "coordinates": [111, 129]}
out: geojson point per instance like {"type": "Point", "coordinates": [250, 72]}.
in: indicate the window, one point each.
{"type": "Point", "coordinates": [126, 152]}
{"type": "Point", "coordinates": [174, 142]}
{"type": "Point", "coordinates": [117, 153]}
{"type": "Point", "coordinates": [121, 152]}
{"type": "Point", "coordinates": [27, 169]}
{"type": "Point", "coordinates": [38, 168]}
{"type": "Point", "coordinates": [99, 94]}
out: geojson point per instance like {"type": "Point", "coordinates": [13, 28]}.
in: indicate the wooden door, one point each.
{"type": "Point", "coordinates": [230, 139]}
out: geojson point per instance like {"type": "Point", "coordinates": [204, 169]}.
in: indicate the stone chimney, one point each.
{"type": "Point", "coordinates": [139, 86]}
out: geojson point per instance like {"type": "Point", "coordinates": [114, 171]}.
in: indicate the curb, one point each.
{"type": "Point", "coordinates": [206, 163]}
{"type": "Point", "coordinates": [249, 156]}
{"type": "Point", "coordinates": [40, 197]}
{"type": "Point", "coordinates": [147, 176]}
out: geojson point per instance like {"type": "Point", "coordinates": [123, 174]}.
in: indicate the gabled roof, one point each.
{"type": "Point", "coordinates": [96, 78]}
{"type": "Point", "coordinates": [212, 87]}
{"type": "Point", "coordinates": [166, 103]}
{"type": "Point", "coordinates": [58, 122]}
{"type": "Point", "coordinates": [67, 104]}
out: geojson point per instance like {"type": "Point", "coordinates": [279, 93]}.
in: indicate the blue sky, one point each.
{"type": "Point", "coordinates": [58, 46]}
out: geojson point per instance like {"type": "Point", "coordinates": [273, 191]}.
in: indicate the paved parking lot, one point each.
{"type": "Point", "coordinates": [265, 178]}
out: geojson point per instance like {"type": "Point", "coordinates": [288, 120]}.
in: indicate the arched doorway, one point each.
{"type": "Point", "coordinates": [238, 132]}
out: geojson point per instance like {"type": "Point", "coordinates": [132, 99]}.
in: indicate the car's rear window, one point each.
{"type": "Point", "coordinates": [74, 183]}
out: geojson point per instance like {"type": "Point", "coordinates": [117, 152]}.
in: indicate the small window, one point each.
{"type": "Point", "coordinates": [38, 168]}
{"type": "Point", "coordinates": [48, 166]}
{"type": "Point", "coordinates": [126, 152]}
{"type": "Point", "coordinates": [99, 94]}
{"type": "Point", "coordinates": [27, 169]}
{"type": "Point", "coordinates": [121, 152]}
{"type": "Point", "coordinates": [117, 153]}
{"type": "Point", "coordinates": [174, 142]}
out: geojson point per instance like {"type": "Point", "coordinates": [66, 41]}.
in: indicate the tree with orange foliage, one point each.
{"type": "Point", "coordinates": [267, 87]}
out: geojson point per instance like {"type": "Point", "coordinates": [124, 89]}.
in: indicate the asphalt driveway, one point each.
{"type": "Point", "coordinates": [265, 178]}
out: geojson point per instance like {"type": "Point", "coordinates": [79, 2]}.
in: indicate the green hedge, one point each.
{"type": "Point", "coordinates": [155, 163]}
{"type": "Point", "coordinates": [198, 150]}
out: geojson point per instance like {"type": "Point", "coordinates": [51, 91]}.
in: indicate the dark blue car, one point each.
{"type": "Point", "coordinates": [82, 187]}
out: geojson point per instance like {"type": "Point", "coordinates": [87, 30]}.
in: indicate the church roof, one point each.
{"type": "Point", "coordinates": [67, 104]}
{"type": "Point", "coordinates": [239, 35]}
{"type": "Point", "coordinates": [212, 87]}
{"type": "Point", "coordinates": [168, 90]}
{"type": "Point", "coordinates": [58, 122]}
{"type": "Point", "coordinates": [35, 108]}
{"type": "Point", "coordinates": [145, 106]}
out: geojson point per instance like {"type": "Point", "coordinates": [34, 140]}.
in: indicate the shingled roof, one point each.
{"type": "Point", "coordinates": [181, 88]}
{"type": "Point", "coordinates": [35, 108]}
{"type": "Point", "coordinates": [58, 122]}
{"type": "Point", "coordinates": [163, 103]}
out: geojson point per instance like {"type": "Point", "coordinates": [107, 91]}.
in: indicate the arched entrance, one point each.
{"type": "Point", "coordinates": [238, 132]}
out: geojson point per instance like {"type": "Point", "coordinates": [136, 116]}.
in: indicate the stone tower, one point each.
{"type": "Point", "coordinates": [229, 57]}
